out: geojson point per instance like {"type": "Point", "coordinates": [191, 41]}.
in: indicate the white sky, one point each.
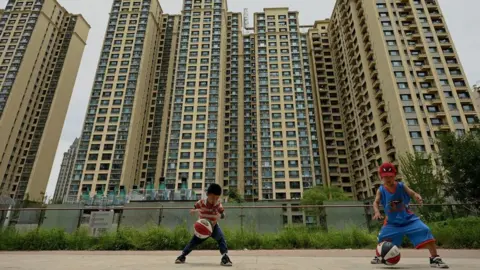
{"type": "Point", "coordinates": [461, 16]}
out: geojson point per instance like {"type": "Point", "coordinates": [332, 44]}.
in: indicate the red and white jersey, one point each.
{"type": "Point", "coordinates": [209, 211]}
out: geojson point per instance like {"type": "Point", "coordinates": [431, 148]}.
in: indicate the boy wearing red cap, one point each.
{"type": "Point", "coordinates": [400, 221]}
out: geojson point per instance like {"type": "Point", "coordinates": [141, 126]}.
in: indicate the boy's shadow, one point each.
{"type": "Point", "coordinates": [203, 264]}
{"type": "Point", "coordinates": [401, 267]}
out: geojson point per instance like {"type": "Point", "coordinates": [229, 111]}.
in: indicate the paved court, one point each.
{"type": "Point", "coordinates": [207, 260]}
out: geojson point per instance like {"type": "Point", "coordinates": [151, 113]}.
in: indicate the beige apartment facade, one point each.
{"type": "Point", "coordinates": [335, 161]}
{"type": "Point", "coordinates": [41, 45]}
{"type": "Point", "coordinates": [287, 140]}
{"type": "Point", "coordinates": [65, 175]}
{"type": "Point", "coordinates": [400, 81]}
{"type": "Point", "coordinates": [270, 110]}
{"type": "Point", "coordinates": [110, 154]}
{"type": "Point", "coordinates": [476, 94]}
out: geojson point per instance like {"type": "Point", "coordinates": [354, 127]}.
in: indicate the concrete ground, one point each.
{"type": "Point", "coordinates": [208, 260]}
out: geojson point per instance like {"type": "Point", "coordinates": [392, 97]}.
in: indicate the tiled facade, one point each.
{"type": "Point", "coordinates": [182, 101]}
{"type": "Point", "coordinates": [65, 175]}
{"type": "Point", "coordinates": [41, 46]}
{"type": "Point", "coordinates": [399, 80]}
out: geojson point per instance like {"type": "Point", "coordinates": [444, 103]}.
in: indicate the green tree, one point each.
{"type": "Point", "coordinates": [318, 195]}
{"type": "Point", "coordinates": [460, 156]}
{"type": "Point", "coordinates": [234, 196]}
{"type": "Point", "coordinates": [421, 175]}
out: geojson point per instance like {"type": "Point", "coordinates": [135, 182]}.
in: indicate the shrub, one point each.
{"type": "Point", "coordinates": [455, 233]}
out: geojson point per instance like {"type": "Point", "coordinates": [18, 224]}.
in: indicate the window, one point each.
{"type": "Point", "coordinates": [405, 97]}
{"type": "Point", "coordinates": [419, 148]}
{"type": "Point", "coordinates": [412, 122]}
{"type": "Point", "coordinates": [452, 106]}
{"type": "Point", "coordinates": [402, 86]}
{"type": "Point", "coordinates": [408, 109]}
{"type": "Point", "coordinates": [432, 108]}
{"type": "Point", "coordinates": [394, 53]}
{"type": "Point", "coordinates": [399, 74]}
{"type": "Point", "coordinates": [415, 135]}
{"type": "Point", "coordinates": [396, 63]}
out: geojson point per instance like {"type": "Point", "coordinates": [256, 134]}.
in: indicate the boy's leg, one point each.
{"type": "Point", "coordinates": [389, 233]}
{"type": "Point", "coordinates": [421, 237]}
{"type": "Point", "coordinates": [192, 244]}
{"type": "Point", "coordinates": [188, 248]}
{"type": "Point", "coordinates": [218, 235]}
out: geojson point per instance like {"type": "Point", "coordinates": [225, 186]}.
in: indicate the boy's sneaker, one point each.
{"type": "Point", "coordinates": [181, 259]}
{"type": "Point", "coordinates": [437, 262]}
{"type": "Point", "coordinates": [376, 260]}
{"type": "Point", "coordinates": [225, 261]}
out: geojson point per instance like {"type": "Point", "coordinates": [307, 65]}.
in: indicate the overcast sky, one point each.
{"type": "Point", "coordinates": [461, 16]}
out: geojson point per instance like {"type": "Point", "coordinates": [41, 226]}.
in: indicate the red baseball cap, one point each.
{"type": "Point", "coordinates": [387, 169]}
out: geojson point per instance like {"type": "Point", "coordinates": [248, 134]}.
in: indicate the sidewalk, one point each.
{"type": "Point", "coordinates": [206, 260]}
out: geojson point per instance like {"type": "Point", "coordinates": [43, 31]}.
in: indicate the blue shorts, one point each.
{"type": "Point", "coordinates": [418, 233]}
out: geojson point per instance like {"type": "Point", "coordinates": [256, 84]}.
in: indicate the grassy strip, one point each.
{"type": "Point", "coordinates": [458, 233]}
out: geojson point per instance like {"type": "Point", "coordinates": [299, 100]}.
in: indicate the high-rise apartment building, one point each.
{"type": "Point", "coordinates": [335, 160]}
{"type": "Point", "coordinates": [182, 101]}
{"type": "Point", "coordinates": [399, 81]}
{"type": "Point", "coordinates": [283, 112]}
{"type": "Point", "coordinates": [41, 46]}
{"type": "Point", "coordinates": [195, 141]}
{"type": "Point", "coordinates": [118, 120]}
{"type": "Point", "coordinates": [65, 175]}
{"type": "Point", "coordinates": [476, 93]}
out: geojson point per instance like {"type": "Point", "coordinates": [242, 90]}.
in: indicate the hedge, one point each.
{"type": "Point", "coordinates": [456, 234]}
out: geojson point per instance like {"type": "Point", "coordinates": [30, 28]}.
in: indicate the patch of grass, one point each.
{"type": "Point", "coordinates": [455, 233]}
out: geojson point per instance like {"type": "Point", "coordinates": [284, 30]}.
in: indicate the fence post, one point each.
{"type": "Point", "coordinates": [80, 215]}
{"type": "Point", "coordinates": [41, 217]}
{"type": "Point", "coordinates": [241, 219]}
{"type": "Point", "coordinates": [368, 218]}
{"type": "Point", "coordinates": [120, 216]}
{"type": "Point", "coordinates": [451, 211]}
{"type": "Point", "coordinates": [160, 216]}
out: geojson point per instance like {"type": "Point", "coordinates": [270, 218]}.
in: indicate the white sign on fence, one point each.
{"type": "Point", "coordinates": [101, 220]}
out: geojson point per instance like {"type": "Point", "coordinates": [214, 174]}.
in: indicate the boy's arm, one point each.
{"type": "Point", "coordinates": [376, 203]}
{"type": "Point", "coordinates": [198, 204]}
{"type": "Point", "coordinates": [413, 194]}
{"type": "Point", "coordinates": [221, 210]}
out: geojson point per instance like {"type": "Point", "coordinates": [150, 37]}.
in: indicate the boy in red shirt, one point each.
{"type": "Point", "coordinates": [211, 209]}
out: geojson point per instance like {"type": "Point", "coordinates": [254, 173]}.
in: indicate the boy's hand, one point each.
{"type": "Point", "coordinates": [377, 216]}
{"type": "Point", "coordinates": [418, 198]}
{"type": "Point", "coordinates": [193, 211]}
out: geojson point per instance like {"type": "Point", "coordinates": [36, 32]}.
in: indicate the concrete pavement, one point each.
{"type": "Point", "coordinates": [207, 260]}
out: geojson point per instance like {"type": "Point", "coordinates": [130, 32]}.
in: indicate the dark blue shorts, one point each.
{"type": "Point", "coordinates": [418, 233]}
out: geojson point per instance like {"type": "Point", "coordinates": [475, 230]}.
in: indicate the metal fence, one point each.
{"type": "Point", "coordinates": [261, 217]}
